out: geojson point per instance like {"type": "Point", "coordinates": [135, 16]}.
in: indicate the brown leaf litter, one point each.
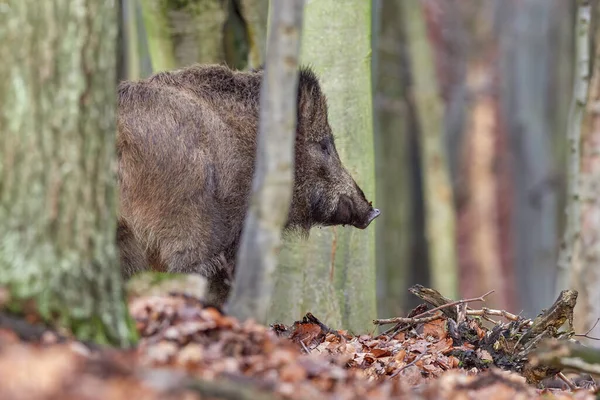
{"type": "Point", "coordinates": [189, 351]}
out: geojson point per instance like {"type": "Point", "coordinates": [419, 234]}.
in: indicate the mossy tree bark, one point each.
{"type": "Point", "coordinates": [332, 274]}
{"type": "Point", "coordinates": [134, 57]}
{"type": "Point", "coordinates": [440, 213]}
{"type": "Point", "coordinates": [392, 163]}
{"type": "Point", "coordinates": [184, 32]}
{"type": "Point", "coordinates": [255, 14]}
{"type": "Point", "coordinates": [57, 165]}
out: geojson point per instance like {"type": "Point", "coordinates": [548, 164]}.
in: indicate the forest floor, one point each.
{"type": "Point", "coordinates": [188, 351]}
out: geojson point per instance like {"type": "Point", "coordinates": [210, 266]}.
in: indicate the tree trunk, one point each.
{"type": "Point", "coordinates": [524, 54]}
{"type": "Point", "coordinates": [482, 192]}
{"type": "Point", "coordinates": [273, 177]}
{"type": "Point", "coordinates": [131, 46]}
{"type": "Point", "coordinates": [393, 176]}
{"type": "Point", "coordinates": [336, 265]}
{"type": "Point", "coordinates": [440, 214]}
{"type": "Point", "coordinates": [585, 276]}
{"type": "Point", "coordinates": [57, 164]}
{"type": "Point", "coordinates": [134, 57]}
{"type": "Point", "coordinates": [184, 32]}
{"type": "Point", "coordinates": [572, 230]}
{"type": "Point", "coordinates": [255, 16]}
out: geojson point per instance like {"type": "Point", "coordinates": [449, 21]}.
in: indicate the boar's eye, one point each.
{"type": "Point", "coordinates": [325, 147]}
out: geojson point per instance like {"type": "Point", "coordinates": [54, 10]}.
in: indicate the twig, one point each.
{"type": "Point", "coordinates": [566, 355]}
{"type": "Point", "coordinates": [566, 380]}
{"type": "Point", "coordinates": [585, 335]}
{"type": "Point", "coordinates": [462, 313]}
{"type": "Point", "coordinates": [421, 318]}
{"type": "Point", "coordinates": [455, 303]}
{"type": "Point", "coordinates": [306, 349]}
{"type": "Point", "coordinates": [405, 320]}
{"type": "Point", "coordinates": [500, 313]}
{"type": "Point", "coordinates": [413, 362]}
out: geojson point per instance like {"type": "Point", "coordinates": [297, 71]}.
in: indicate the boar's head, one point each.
{"type": "Point", "coordinates": [325, 193]}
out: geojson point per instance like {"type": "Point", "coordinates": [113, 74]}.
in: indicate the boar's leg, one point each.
{"type": "Point", "coordinates": [216, 270]}
{"type": "Point", "coordinates": [193, 261]}
{"type": "Point", "coordinates": [218, 288]}
{"type": "Point", "coordinates": [132, 256]}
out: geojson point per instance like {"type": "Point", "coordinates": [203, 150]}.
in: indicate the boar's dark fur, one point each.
{"type": "Point", "coordinates": [186, 148]}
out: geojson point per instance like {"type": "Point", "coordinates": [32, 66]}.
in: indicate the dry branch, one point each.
{"type": "Point", "coordinates": [567, 355]}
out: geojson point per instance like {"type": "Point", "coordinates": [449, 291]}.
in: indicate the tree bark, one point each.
{"type": "Point", "coordinates": [273, 177]}
{"type": "Point", "coordinates": [483, 192]}
{"type": "Point", "coordinates": [525, 49]}
{"type": "Point", "coordinates": [131, 49]}
{"type": "Point", "coordinates": [585, 274]}
{"type": "Point", "coordinates": [336, 265]}
{"type": "Point", "coordinates": [57, 165]}
{"type": "Point", "coordinates": [255, 14]}
{"type": "Point", "coordinates": [572, 229]}
{"type": "Point", "coordinates": [440, 214]}
{"type": "Point", "coordinates": [184, 32]}
{"type": "Point", "coordinates": [392, 162]}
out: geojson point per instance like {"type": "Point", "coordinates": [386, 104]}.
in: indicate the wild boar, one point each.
{"type": "Point", "coordinates": [186, 147]}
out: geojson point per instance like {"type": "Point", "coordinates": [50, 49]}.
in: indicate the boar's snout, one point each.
{"type": "Point", "coordinates": [364, 218]}
{"type": "Point", "coordinates": [355, 210]}
{"type": "Point", "coordinates": [374, 213]}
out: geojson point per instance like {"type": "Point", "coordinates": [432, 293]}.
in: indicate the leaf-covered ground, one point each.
{"type": "Point", "coordinates": [188, 351]}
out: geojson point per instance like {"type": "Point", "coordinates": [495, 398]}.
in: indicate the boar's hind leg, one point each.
{"type": "Point", "coordinates": [218, 288]}
{"type": "Point", "coordinates": [216, 270]}
{"type": "Point", "coordinates": [191, 261]}
{"type": "Point", "coordinates": [132, 256]}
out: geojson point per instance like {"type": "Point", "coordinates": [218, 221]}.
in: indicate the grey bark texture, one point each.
{"type": "Point", "coordinates": [273, 177]}
{"type": "Point", "coordinates": [572, 229]}
{"type": "Point", "coordinates": [394, 233]}
{"type": "Point", "coordinates": [57, 164]}
{"type": "Point", "coordinates": [439, 200]}
{"type": "Point", "coordinates": [255, 14]}
{"type": "Point", "coordinates": [184, 32]}
{"type": "Point", "coordinates": [584, 275]}
{"type": "Point", "coordinates": [524, 53]}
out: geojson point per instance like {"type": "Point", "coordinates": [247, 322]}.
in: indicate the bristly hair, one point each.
{"type": "Point", "coordinates": [307, 75]}
{"type": "Point", "coordinates": [308, 78]}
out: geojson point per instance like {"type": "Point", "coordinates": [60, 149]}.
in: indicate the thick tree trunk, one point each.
{"type": "Point", "coordinates": [482, 192]}
{"type": "Point", "coordinates": [572, 230]}
{"type": "Point", "coordinates": [134, 57]}
{"type": "Point", "coordinates": [273, 177]}
{"type": "Point", "coordinates": [57, 164]}
{"type": "Point", "coordinates": [336, 266]}
{"type": "Point", "coordinates": [585, 274]}
{"type": "Point", "coordinates": [524, 54]}
{"type": "Point", "coordinates": [394, 233]}
{"type": "Point", "coordinates": [255, 16]}
{"type": "Point", "coordinates": [440, 214]}
{"type": "Point", "coordinates": [184, 32]}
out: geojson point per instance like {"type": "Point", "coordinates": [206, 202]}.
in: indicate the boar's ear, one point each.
{"type": "Point", "coordinates": [305, 102]}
